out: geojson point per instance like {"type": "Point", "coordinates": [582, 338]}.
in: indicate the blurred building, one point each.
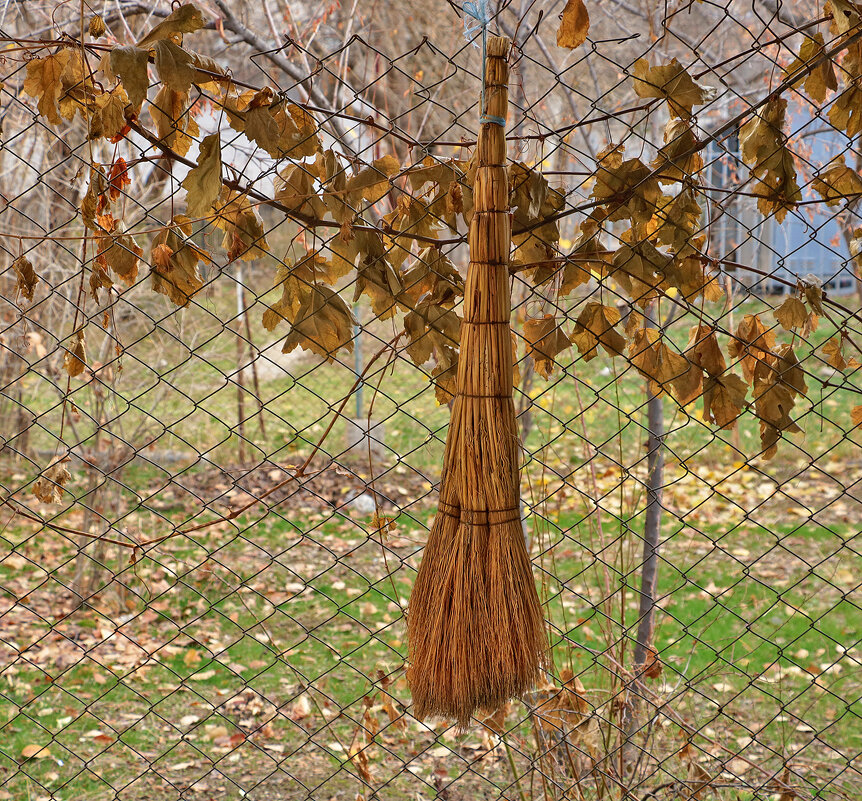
{"type": "Point", "coordinates": [811, 238]}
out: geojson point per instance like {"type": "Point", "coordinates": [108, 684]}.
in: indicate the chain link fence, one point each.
{"type": "Point", "coordinates": [223, 427]}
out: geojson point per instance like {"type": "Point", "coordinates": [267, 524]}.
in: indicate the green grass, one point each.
{"type": "Point", "coordinates": [180, 396]}
{"type": "Point", "coordinates": [720, 634]}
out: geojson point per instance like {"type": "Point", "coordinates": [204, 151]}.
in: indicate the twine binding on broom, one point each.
{"type": "Point", "coordinates": [475, 625]}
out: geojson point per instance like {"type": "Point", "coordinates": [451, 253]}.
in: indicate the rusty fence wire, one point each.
{"type": "Point", "coordinates": [211, 518]}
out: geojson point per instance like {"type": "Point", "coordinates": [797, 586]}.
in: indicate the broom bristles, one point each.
{"type": "Point", "coordinates": [475, 624]}
{"type": "Point", "coordinates": [476, 628]}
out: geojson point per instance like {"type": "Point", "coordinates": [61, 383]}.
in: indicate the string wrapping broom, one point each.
{"type": "Point", "coordinates": [475, 625]}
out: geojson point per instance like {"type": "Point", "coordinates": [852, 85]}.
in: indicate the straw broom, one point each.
{"type": "Point", "coordinates": [475, 624]}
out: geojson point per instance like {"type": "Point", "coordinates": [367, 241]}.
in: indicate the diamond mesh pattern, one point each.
{"type": "Point", "coordinates": [197, 618]}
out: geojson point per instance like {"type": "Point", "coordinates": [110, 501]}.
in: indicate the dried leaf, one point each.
{"type": "Point", "coordinates": [724, 399]}
{"type": "Point", "coordinates": [837, 182]}
{"type": "Point", "coordinates": [556, 714]}
{"type": "Point", "coordinates": [96, 27]}
{"type": "Point", "coordinates": [704, 351]}
{"type": "Point", "coordinates": [761, 138]}
{"type": "Point", "coordinates": [588, 254]}
{"type": "Point", "coordinates": [375, 276]}
{"type": "Point", "coordinates": [121, 253]}
{"type": "Point", "coordinates": [175, 126]}
{"type": "Point", "coordinates": [538, 248]}
{"type": "Point", "coordinates": [574, 25]}
{"type": "Point", "coordinates": [594, 327]}
{"type": "Point", "coordinates": [44, 81]}
{"type": "Point", "coordinates": [533, 201]}
{"type": "Point", "coordinates": [627, 187]}
{"type": "Point", "coordinates": [358, 755]}
{"type": "Point", "coordinates": [545, 339]}
{"type": "Point", "coordinates": [833, 351]}
{"type": "Point", "coordinates": [822, 77]}
{"type": "Point", "coordinates": [299, 137]}
{"type": "Point", "coordinates": [763, 148]}
{"type": "Point", "coordinates": [297, 281]}
{"type": "Point", "coordinates": [203, 183]}
{"type": "Point", "coordinates": [776, 189]}
{"type": "Point", "coordinates": [260, 125]}
{"type": "Point", "coordinates": [640, 270]}
{"type": "Point", "coordinates": [856, 416]}
{"type": "Point", "coordinates": [813, 288]}
{"type": "Point", "coordinates": [688, 386]}
{"type": "Point", "coordinates": [691, 278]}
{"type": "Point", "coordinates": [372, 183]}
{"type": "Point", "coordinates": [333, 177]}
{"type": "Point", "coordinates": [48, 488]}
{"type": "Point", "coordinates": [395, 717]}
{"type": "Point", "coordinates": [280, 128]}
{"type": "Point", "coordinates": [108, 114]}
{"type": "Point", "coordinates": [576, 693]}
{"type": "Point", "coordinates": [99, 279]}
{"type": "Point", "coordinates": [845, 15]}
{"type": "Point", "coordinates": [185, 19]}
{"type": "Point", "coordinates": [174, 259]}
{"type": "Point", "coordinates": [75, 360]}
{"type": "Point", "coordinates": [773, 401]}
{"type": "Point", "coordinates": [662, 367]}
{"type": "Point", "coordinates": [118, 178]}
{"type": "Point", "coordinates": [301, 708]}
{"type": "Point", "coordinates": [244, 236]}
{"type": "Point", "coordinates": [78, 89]}
{"type": "Point", "coordinates": [25, 277]}
{"type": "Point", "coordinates": [791, 314]}
{"type": "Point", "coordinates": [444, 375]}
{"type": "Point", "coordinates": [528, 192]}
{"type": "Point", "coordinates": [409, 215]}
{"type": "Point", "coordinates": [678, 221]}
{"type": "Point", "coordinates": [434, 276]}
{"type": "Point", "coordinates": [652, 667]}
{"type": "Point", "coordinates": [699, 779]}
{"type": "Point", "coordinates": [494, 723]}
{"type": "Point", "coordinates": [680, 157]}
{"type": "Point", "coordinates": [174, 66]}
{"type": "Point", "coordinates": [94, 201]}
{"type": "Point", "coordinates": [671, 82]}
{"type": "Point", "coordinates": [752, 344]}
{"type": "Point", "coordinates": [324, 325]}
{"type": "Point", "coordinates": [130, 64]}
{"type": "Point", "coordinates": [33, 751]}
{"type": "Point", "coordinates": [436, 171]}
{"type": "Point", "coordinates": [684, 375]}
{"type": "Point", "coordinates": [453, 193]}
{"type": "Point", "coordinates": [297, 191]}
{"type": "Point", "coordinates": [788, 372]}
{"type": "Point", "coordinates": [431, 329]}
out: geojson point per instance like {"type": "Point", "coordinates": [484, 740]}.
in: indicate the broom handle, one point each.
{"type": "Point", "coordinates": [487, 300]}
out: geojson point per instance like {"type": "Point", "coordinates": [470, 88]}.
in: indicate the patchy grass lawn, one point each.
{"type": "Point", "coordinates": [253, 660]}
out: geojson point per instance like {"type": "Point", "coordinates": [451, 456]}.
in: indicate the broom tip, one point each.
{"type": "Point", "coordinates": [475, 624]}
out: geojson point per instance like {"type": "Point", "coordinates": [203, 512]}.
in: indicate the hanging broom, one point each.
{"type": "Point", "coordinates": [475, 625]}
